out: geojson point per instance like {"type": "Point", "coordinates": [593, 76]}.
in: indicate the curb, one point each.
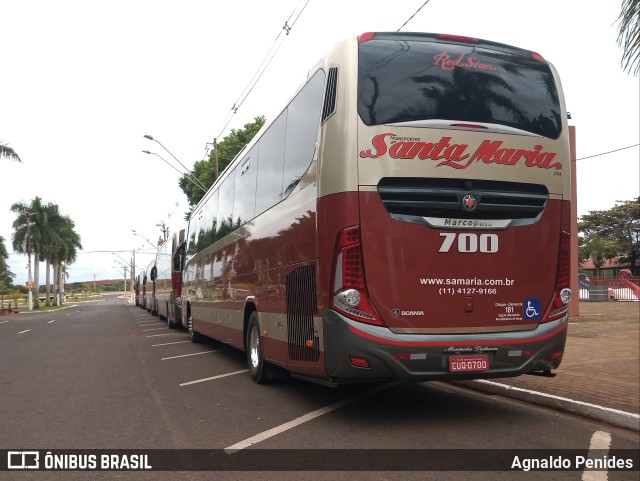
{"type": "Point", "coordinates": [612, 416]}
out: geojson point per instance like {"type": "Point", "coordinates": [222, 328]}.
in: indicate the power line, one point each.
{"type": "Point", "coordinates": [262, 68]}
{"type": "Point", "coordinates": [610, 152]}
{"type": "Point", "coordinates": [414, 14]}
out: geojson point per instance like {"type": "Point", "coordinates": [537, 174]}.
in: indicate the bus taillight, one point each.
{"type": "Point", "coordinates": [365, 37]}
{"type": "Point", "coordinates": [538, 57]}
{"type": "Point", "coordinates": [562, 292]}
{"type": "Point", "coordinates": [457, 38]}
{"type": "Point", "coordinates": [350, 295]}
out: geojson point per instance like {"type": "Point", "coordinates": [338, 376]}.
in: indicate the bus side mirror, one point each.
{"type": "Point", "coordinates": [154, 273]}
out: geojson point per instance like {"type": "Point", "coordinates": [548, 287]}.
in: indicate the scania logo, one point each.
{"type": "Point", "coordinates": [398, 312]}
{"type": "Point", "coordinates": [469, 203]}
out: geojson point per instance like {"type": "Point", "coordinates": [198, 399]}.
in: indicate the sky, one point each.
{"type": "Point", "coordinates": [82, 82]}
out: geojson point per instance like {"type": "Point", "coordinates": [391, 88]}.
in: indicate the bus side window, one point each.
{"type": "Point", "coordinates": [303, 121]}
{"type": "Point", "coordinates": [271, 165]}
{"type": "Point", "coordinates": [244, 200]}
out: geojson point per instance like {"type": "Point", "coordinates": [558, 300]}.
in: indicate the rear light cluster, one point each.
{"type": "Point", "coordinates": [562, 292]}
{"type": "Point", "coordinates": [457, 38]}
{"type": "Point", "coordinates": [350, 295]}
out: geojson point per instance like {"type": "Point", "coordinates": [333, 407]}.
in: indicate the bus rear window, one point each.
{"type": "Point", "coordinates": [413, 80]}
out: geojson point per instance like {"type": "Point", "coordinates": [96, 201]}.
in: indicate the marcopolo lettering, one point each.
{"type": "Point", "coordinates": [456, 155]}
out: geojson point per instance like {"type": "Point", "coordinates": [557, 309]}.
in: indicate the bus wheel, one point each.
{"type": "Point", "coordinates": [257, 366]}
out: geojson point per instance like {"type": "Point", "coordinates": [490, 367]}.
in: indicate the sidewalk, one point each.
{"type": "Point", "coordinates": [600, 367]}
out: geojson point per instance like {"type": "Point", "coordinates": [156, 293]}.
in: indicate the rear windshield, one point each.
{"type": "Point", "coordinates": [408, 80]}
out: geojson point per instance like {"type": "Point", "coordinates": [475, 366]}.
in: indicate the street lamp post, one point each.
{"type": "Point", "coordinates": [190, 177]}
{"type": "Point", "coordinates": [131, 267]}
{"type": "Point", "coordinates": [193, 179]}
{"type": "Point", "coordinates": [147, 240]}
{"type": "Point", "coordinates": [147, 136]}
{"type": "Point", "coordinates": [126, 268]}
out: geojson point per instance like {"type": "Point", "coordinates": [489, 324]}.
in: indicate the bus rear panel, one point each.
{"type": "Point", "coordinates": [458, 265]}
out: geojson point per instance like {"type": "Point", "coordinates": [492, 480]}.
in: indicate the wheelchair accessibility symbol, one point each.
{"type": "Point", "coordinates": [532, 309]}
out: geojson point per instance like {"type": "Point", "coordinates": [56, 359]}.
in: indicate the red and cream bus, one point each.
{"type": "Point", "coordinates": [406, 216]}
{"type": "Point", "coordinates": [148, 291]}
{"type": "Point", "coordinates": [168, 278]}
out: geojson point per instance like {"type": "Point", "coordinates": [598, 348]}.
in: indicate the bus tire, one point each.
{"type": "Point", "coordinates": [258, 368]}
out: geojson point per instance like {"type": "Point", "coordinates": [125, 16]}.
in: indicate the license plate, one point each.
{"type": "Point", "coordinates": [469, 363]}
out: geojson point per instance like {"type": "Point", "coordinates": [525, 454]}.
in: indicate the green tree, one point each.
{"type": "Point", "coordinates": [29, 227]}
{"type": "Point", "coordinates": [620, 226]}
{"type": "Point", "coordinates": [6, 276]}
{"type": "Point", "coordinates": [8, 152]}
{"type": "Point", "coordinates": [598, 249]}
{"type": "Point", "coordinates": [41, 229]}
{"type": "Point", "coordinates": [629, 35]}
{"type": "Point", "coordinates": [4, 255]}
{"type": "Point", "coordinates": [50, 243]}
{"type": "Point", "coordinates": [228, 148]}
{"type": "Point", "coordinates": [65, 253]}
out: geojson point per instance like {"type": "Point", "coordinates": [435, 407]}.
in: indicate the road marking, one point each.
{"type": "Point", "coordinates": [22, 332]}
{"type": "Point", "coordinates": [155, 329]}
{"type": "Point", "coordinates": [2, 322]}
{"type": "Point", "coordinates": [214, 377]}
{"type": "Point", "coordinates": [170, 334]}
{"type": "Point", "coordinates": [600, 442]}
{"type": "Point", "coordinates": [53, 320]}
{"type": "Point", "coordinates": [193, 354]}
{"type": "Point", "coordinates": [168, 343]}
{"type": "Point", "coordinates": [303, 419]}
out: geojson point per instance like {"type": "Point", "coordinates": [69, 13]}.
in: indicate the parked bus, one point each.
{"type": "Point", "coordinates": [141, 281]}
{"type": "Point", "coordinates": [138, 288]}
{"type": "Point", "coordinates": [168, 280]}
{"type": "Point", "coordinates": [149, 288]}
{"type": "Point", "coordinates": [406, 216]}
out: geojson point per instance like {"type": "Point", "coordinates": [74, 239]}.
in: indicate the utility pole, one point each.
{"type": "Point", "coordinates": [125, 278]}
{"type": "Point", "coordinates": [133, 275]}
{"type": "Point", "coordinates": [215, 156]}
{"type": "Point", "coordinates": [164, 229]}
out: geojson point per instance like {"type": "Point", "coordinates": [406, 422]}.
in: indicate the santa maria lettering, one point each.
{"type": "Point", "coordinates": [457, 155]}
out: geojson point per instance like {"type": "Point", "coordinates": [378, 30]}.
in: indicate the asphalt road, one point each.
{"type": "Point", "coordinates": [109, 376]}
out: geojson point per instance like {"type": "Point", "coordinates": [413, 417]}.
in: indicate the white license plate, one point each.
{"type": "Point", "coordinates": [478, 362]}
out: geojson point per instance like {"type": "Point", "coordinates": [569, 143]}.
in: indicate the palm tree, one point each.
{"type": "Point", "coordinates": [4, 255]}
{"type": "Point", "coordinates": [29, 229]}
{"type": "Point", "coordinates": [66, 251]}
{"type": "Point", "coordinates": [51, 237]}
{"type": "Point", "coordinates": [8, 152]}
{"type": "Point", "coordinates": [58, 239]}
{"type": "Point", "coordinates": [629, 35]}
{"type": "Point", "coordinates": [6, 276]}
{"type": "Point", "coordinates": [598, 249]}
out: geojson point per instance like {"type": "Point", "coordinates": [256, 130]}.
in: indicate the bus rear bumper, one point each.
{"type": "Point", "coordinates": [360, 352]}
